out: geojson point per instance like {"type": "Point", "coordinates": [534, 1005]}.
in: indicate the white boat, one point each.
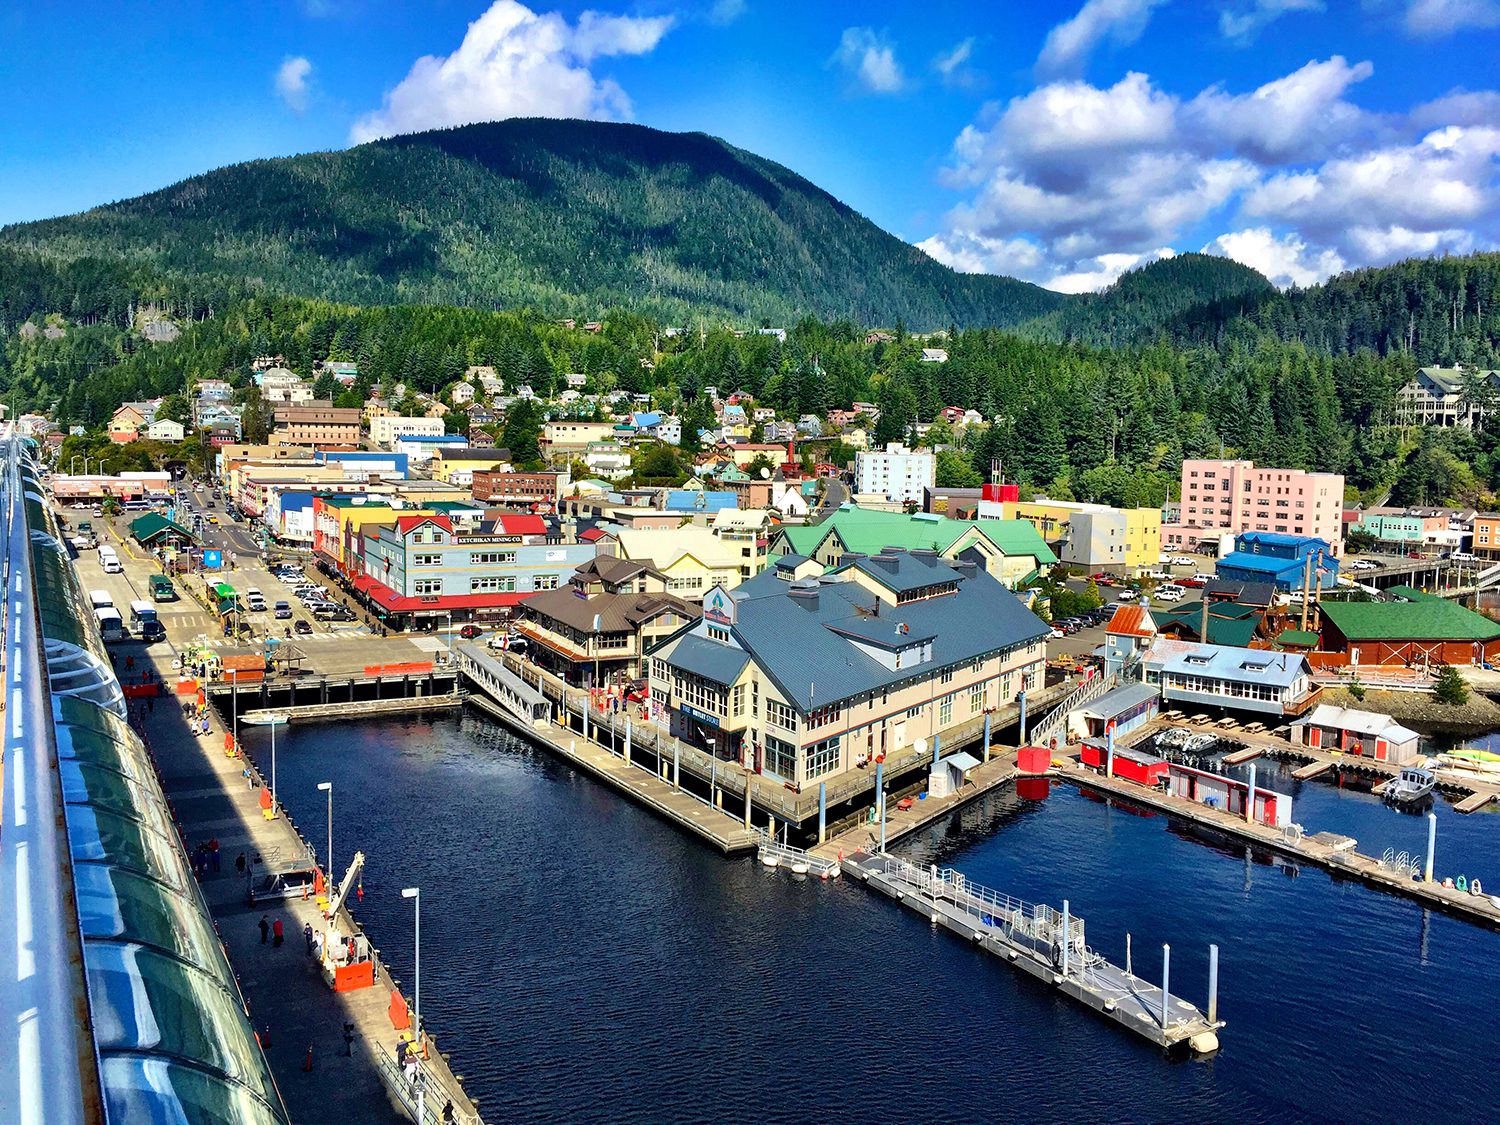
{"type": "Point", "coordinates": [1409, 786]}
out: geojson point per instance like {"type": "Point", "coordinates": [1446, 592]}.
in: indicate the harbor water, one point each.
{"type": "Point", "coordinates": [584, 961]}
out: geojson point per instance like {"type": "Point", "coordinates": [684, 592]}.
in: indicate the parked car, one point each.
{"type": "Point", "coordinates": [1183, 560]}
{"type": "Point", "coordinates": [469, 632]}
{"type": "Point", "coordinates": [1128, 595]}
{"type": "Point", "coordinates": [1169, 593]}
{"type": "Point", "coordinates": [1364, 564]}
{"type": "Point", "coordinates": [153, 631]}
{"type": "Point", "coordinates": [1191, 583]}
{"type": "Point", "coordinates": [1056, 635]}
{"type": "Point", "coordinates": [1157, 575]}
{"type": "Point", "coordinates": [303, 627]}
{"type": "Point", "coordinates": [1202, 577]}
{"type": "Point", "coordinates": [282, 611]}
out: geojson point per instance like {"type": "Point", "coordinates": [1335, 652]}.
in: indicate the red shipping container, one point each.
{"type": "Point", "coordinates": [1033, 759]}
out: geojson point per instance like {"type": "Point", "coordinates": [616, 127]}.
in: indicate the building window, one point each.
{"type": "Point", "coordinates": [781, 758]}
{"type": "Point", "coordinates": [976, 699]}
{"type": "Point", "coordinates": [698, 692]}
{"type": "Point", "coordinates": [780, 715]}
{"type": "Point", "coordinates": [545, 582]}
{"type": "Point", "coordinates": [945, 711]}
{"type": "Point", "coordinates": [716, 633]}
{"type": "Point", "coordinates": [493, 584]}
{"type": "Point", "coordinates": [822, 758]}
{"type": "Point", "coordinates": [427, 560]}
{"type": "Point", "coordinates": [426, 587]}
{"type": "Point", "coordinates": [947, 676]}
{"type": "Point", "coordinates": [490, 558]}
{"type": "Point", "coordinates": [823, 716]}
{"type": "Point", "coordinates": [737, 700]}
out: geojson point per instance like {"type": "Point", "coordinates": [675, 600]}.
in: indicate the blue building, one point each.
{"type": "Point", "coordinates": [1281, 560]}
{"type": "Point", "coordinates": [359, 466]}
{"type": "Point", "coordinates": [693, 500]}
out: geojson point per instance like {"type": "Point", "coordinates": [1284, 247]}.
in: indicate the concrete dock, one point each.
{"type": "Point", "coordinates": [1047, 944]}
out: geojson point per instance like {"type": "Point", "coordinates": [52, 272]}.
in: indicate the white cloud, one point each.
{"type": "Point", "coordinates": [1242, 22]}
{"type": "Point", "coordinates": [1286, 260]}
{"type": "Point", "coordinates": [1444, 17]}
{"type": "Point", "coordinates": [1298, 116]}
{"type": "Point", "coordinates": [953, 66]}
{"type": "Point", "coordinates": [1105, 270]}
{"type": "Point", "coordinates": [1067, 182]}
{"type": "Point", "coordinates": [726, 11]}
{"type": "Point", "coordinates": [870, 61]}
{"type": "Point", "coordinates": [291, 82]}
{"type": "Point", "coordinates": [1118, 22]}
{"type": "Point", "coordinates": [514, 62]}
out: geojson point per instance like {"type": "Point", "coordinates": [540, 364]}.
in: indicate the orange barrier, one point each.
{"type": "Point", "coordinates": [139, 691]}
{"type": "Point", "coordinates": [187, 687]}
{"type": "Point", "coordinates": [412, 667]}
{"type": "Point", "coordinates": [400, 1017]}
{"type": "Point", "coordinates": [348, 978]}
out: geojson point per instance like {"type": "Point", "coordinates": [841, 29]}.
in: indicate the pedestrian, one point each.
{"type": "Point", "coordinates": [307, 935]}
{"type": "Point", "coordinates": [401, 1049]}
{"type": "Point", "coordinates": [239, 864]}
{"type": "Point", "coordinates": [130, 664]}
{"type": "Point", "coordinates": [213, 856]}
{"type": "Point", "coordinates": [348, 1040]}
{"type": "Point", "coordinates": [448, 1113]}
{"type": "Point", "coordinates": [265, 1037]}
{"type": "Point", "coordinates": [150, 704]}
{"type": "Point", "coordinates": [265, 927]}
{"type": "Point", "coordinates": [318, 945]}
{"type": "Point", "coordinates": [278, 934]}
{"type": "Point", "coordinates": [351, 950]}
{"type": "Point", "coordinates": [411, 1069]}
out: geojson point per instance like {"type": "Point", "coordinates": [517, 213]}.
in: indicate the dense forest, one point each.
{"type": "Point", "coordinates": [1093, 422]}
{"type": "Point", "coordinates": [567, 217]}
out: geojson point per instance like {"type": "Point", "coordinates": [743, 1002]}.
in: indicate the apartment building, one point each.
{"type": "Point", "coordinates": [316, 424]}
{"type": "Point", "coordinates": [1233, 497]}
{"type": "Point", "coordinates": [569, 437]}
{"type": "Point", "coordinates": [386, 428]}
{"type": "Point", "coordinates": [521, 488]}
{"type": "Point", "coordinates": [897, 473]}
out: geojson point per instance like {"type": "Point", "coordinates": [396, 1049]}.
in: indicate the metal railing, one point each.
{"type": "Point", "coordinates": [405, 1092]}
{"type": "Point", "coordinates": [49, 1067]}
{"type": "Point", "coordinates": [1055, 721]}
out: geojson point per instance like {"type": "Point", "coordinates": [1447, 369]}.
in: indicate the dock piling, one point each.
{"type": "Point", "coordinates": [1021, 699]}
{"type": "Point", "coordinates": [882, 823]}
{"type": "Point", "coordinates": [1109, 750]}
{"type": "Point", "coordinates": [627, 742]}
{"type": "Point", "coordinates": [1213, 983]}
{"type": "Point", "coordinates": [1067, 937]}
{"type": "Point", "coordinates": [937, 748]}
{"type": "Point", "coordinates": [1166, 982]}
{"type": "Point", "coordinates": [986, 755]}
{"type": "Point", "coordinates": [822, 812]}
{"type": "Point", "coordinates": [1129, 971]}
{"type": "Point", "coordinates": [1431, 845]}
{"type": "Point", "coordinates": [1250, 799]}
{"type": "Point", "coordinates": [676, 764]}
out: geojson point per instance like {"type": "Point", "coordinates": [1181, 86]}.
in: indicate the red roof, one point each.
{"type": "Point", "coordinates": [515, 524]}
{"type": "Point", "coordinates": [592, 535]}
{"type": "Point", "coordinates": [397, 603]}
{"type": "Point", "coordinates": [406, 523]}
{"type": "Point", "coordinates": [1131, 621]}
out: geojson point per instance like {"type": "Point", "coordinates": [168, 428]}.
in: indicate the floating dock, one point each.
{"type": "Point", "coordinates": [1474, 802]}
{"type": "Point", "coordinates": [1240, 757]}
{"type": "Point", "coordinates": [1311, 770]}
{"type": "Point", "coordinates": [1049, 945]}
{"type": "Point", "coordinates": [358, 709]}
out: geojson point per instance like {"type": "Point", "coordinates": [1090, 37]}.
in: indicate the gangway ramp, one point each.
{"type": "Point", "coordinates": [773, 853]}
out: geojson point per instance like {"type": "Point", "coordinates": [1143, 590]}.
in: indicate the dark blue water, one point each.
{"type": "Point", "coordinates": [586, 962]}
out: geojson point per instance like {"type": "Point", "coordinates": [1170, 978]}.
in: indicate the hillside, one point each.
{"type": "Point", "coordinates": [1175, 292]}
{"type": "Point", "coordinates": [567, 217]}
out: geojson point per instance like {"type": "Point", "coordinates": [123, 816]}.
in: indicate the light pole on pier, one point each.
{"type": "Point", "coordinates": [415, 894]}
{"type": "Point", "coordinates": [327, 787]}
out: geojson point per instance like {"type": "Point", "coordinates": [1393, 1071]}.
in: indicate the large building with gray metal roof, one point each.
{"type": "Point", "coordinates": [802, 679]}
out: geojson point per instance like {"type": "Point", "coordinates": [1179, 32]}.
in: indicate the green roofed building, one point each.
{"type": "Point", "coordinates": [1009, 550]}
{"type": "Point", "coordinates": [155, 530]}
{"type": "Point", "coordinates": [1229, 623]}
{"type": "Point", "coordinates": [1418, 629]}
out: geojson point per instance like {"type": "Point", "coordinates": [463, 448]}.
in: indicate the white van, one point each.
{"type": "Point", "coordinates": [111, 628]}
{"type": "Point", "coordinates": [140, 613]}
{"type": "Point", "coordinates": [1169, 593]}
{"type": "Point", "coordinates": [109, 561]}
{"type": "Point", "coordinates": [255, 601]}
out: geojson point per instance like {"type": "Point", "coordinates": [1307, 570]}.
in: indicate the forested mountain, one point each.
{"type": "Point", "coordinates": [567, 217]}
{"type": "Point", "coordinates": [1179, 292]}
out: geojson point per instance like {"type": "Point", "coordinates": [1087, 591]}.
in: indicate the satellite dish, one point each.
{"type": "Point", "coordinates": [764, 472]}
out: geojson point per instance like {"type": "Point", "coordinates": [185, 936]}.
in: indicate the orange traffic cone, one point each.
{"type": "Point", "coordinates": [307, 1062]}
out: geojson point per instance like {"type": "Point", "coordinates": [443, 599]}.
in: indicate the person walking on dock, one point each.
{"type": "Point", "coordinates": [213, 854]}
{"type": "Point", "coordinates": [265, 927]}
{"type": "Point", "coordinates": [348, 1040]}
{"type": "Point", "coordinates": [278, 933]}
{"type": "Point", "coordinates": [307, 936]}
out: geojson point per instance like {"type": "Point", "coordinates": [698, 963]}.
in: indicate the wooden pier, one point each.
{"type": "Point", "coordinates": [357, 709]}
{"type": "Point", "coordinates": [1239, 757]}
{"type": "Point", "coordinates": [1311, 770]}
{"type": "Point", "coordinates": [1474, 802]}
{"type": "Point", "coordinates": [1049, 945]}
{"type": "Point", "coordinates": [1335, 854]}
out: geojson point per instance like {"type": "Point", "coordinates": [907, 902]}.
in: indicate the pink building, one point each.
{"type": "Point", "coordinates": [1235, 496]}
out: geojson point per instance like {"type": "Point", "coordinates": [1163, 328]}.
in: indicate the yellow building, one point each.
{"type": "Point", "coordinates": [1093, 535]}
{"type": "Point", "coordinates": [693, 559]}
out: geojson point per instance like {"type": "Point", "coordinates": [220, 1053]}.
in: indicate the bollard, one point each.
{"type": "Point", "coordinates": [1213, 984]}
{"type": "Point", "coordinates": [1431, 845]}
{"type": "Point", "coordinates": [986, 755]}
{"type": "Point", "coordinates": [1128, 971]}
{"type": "Point", "coordinates": [1166, 981]}
{"type": "Point", "coordinates": [676, 764]}
{"type": "Point", "coordinates": [1067, 926]}
{"type": "Point", "coordinates": [822, 811]}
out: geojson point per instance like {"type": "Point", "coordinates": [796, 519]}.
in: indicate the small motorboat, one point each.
{"type": "Point", "coordinates": [1409, 786]}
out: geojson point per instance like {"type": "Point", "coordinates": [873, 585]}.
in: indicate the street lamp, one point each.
{"type": "Point", "coordinates": [327, 787]}
{"type": "Point", "coordinates": [272, 720]}
{"type": "Point", "coordinates": [415, 894]}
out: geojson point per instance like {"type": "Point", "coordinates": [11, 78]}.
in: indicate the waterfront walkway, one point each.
{"type": "Point", "coordinates": [291, 1007]}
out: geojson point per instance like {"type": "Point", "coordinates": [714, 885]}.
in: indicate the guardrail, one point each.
{"type": "Point", "coordinates": [49, 1068]}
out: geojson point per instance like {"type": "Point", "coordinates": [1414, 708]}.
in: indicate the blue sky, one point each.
{"type": "Point", "coordinates": [1060, 142]}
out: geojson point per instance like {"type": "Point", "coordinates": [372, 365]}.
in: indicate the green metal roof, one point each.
{"type": "Point", "coordinates": [145, 528]}
{"type": "Point", "coordinates": [868, 530]}
{"type": "Point", "coordinates": [1425, 618]}
{"type": "Point", "coordinates": [1298, 637]}
{"type": "Point", "coordinates": [1229, 623]}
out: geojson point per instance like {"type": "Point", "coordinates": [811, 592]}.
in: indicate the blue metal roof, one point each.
{"type": "Point", "coordinates": [712, 660]}
{"type": "Point", "coordinates": [801, 641]}
{"type": "Point", "coordinates": [1259, 564]}
{"type": "Point", "coordinates": [686, 500]}
{"type": "Point", "coordinates": [1237, 665]}
{"type": "Point", "coordinates": [903, 573]}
